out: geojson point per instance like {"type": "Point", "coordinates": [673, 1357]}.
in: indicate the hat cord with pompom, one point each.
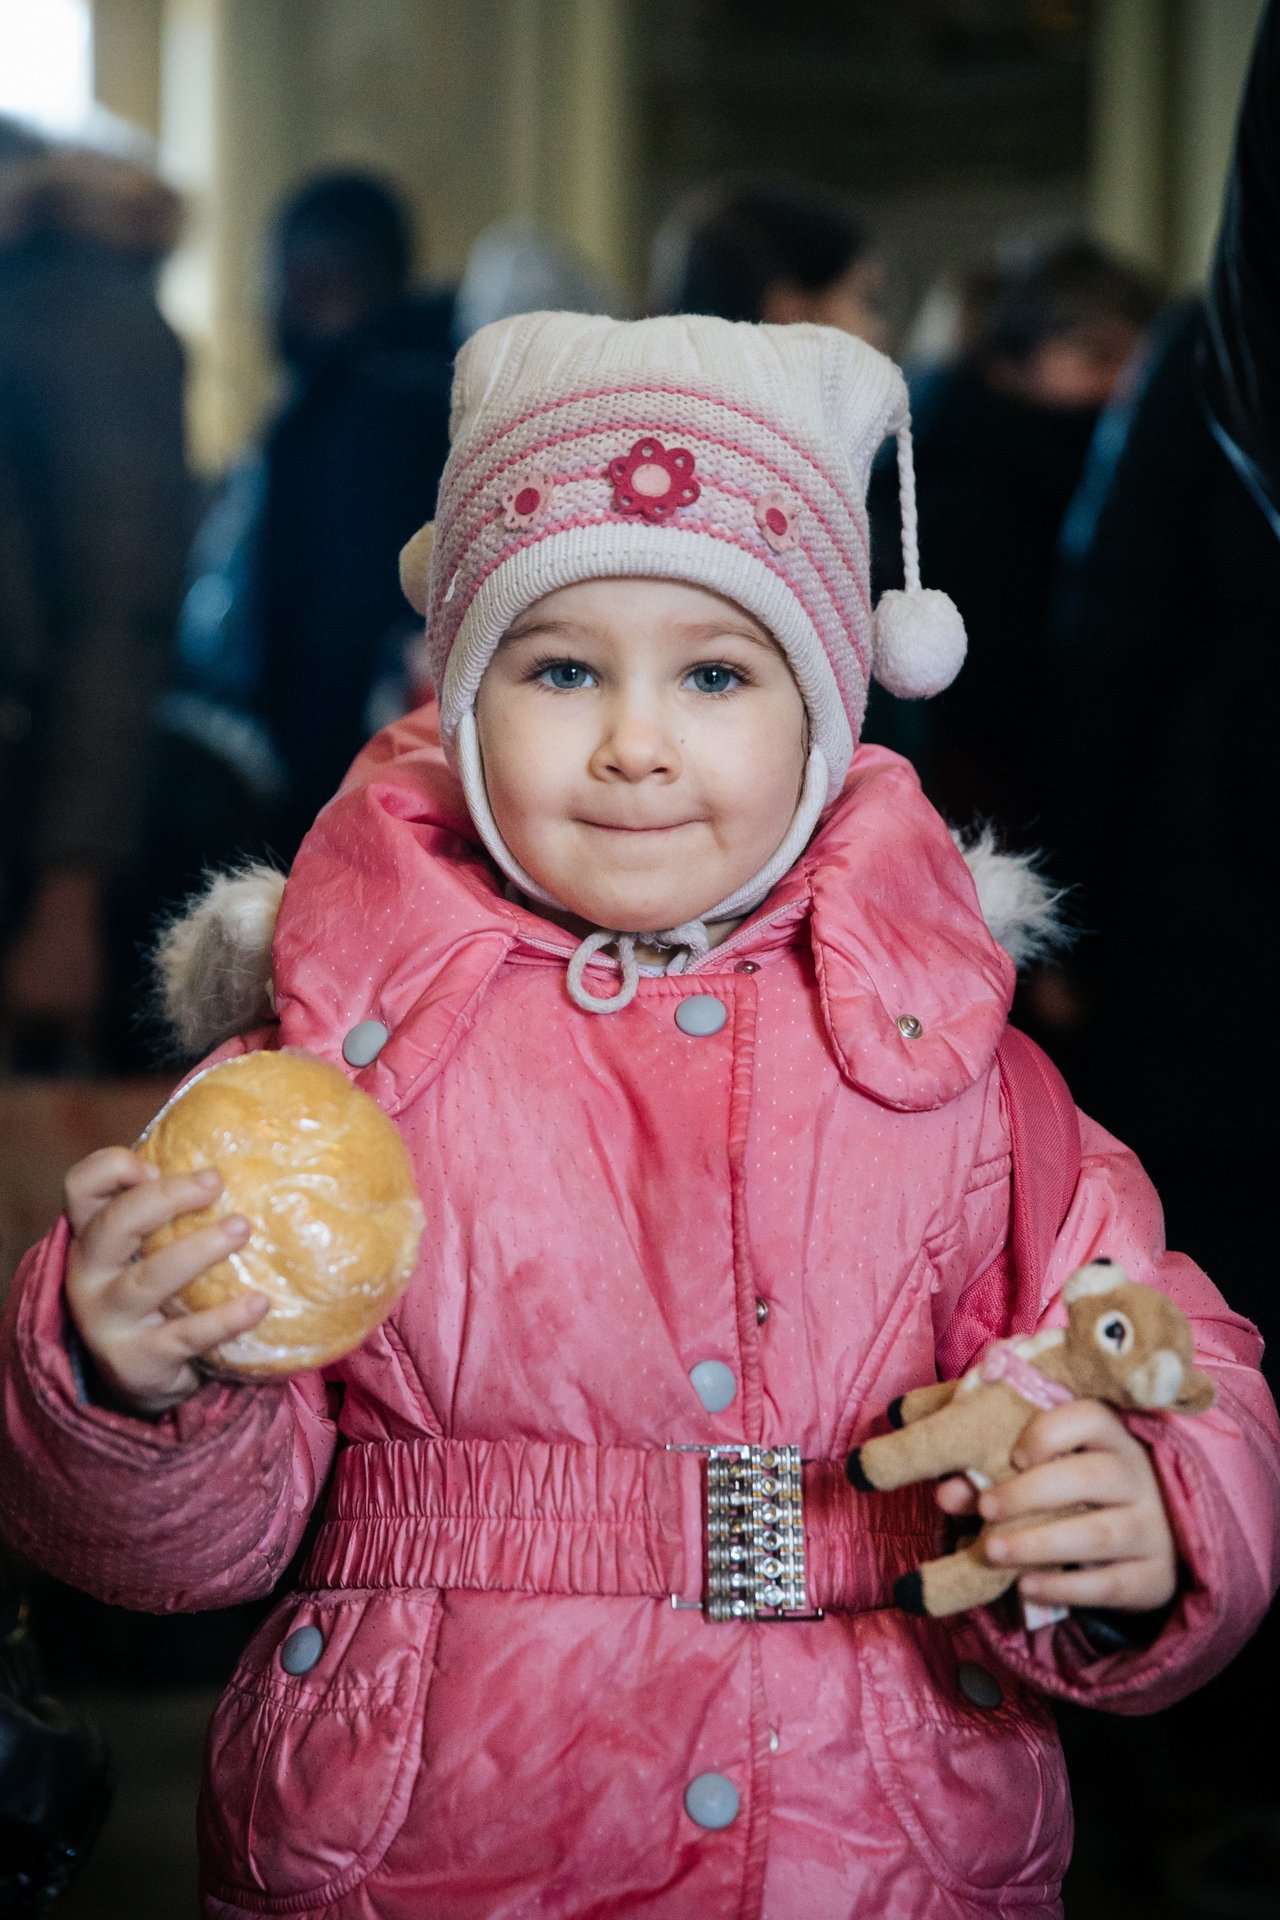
{"type": "Point", "coordinates": [919, 635]}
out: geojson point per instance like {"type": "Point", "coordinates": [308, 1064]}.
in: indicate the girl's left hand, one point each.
{"type": "Point", "coordinates": [1119, 1554]}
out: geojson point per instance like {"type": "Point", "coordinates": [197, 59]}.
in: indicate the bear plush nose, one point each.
{"type": "Point", "coordinates": [1158, 1381]}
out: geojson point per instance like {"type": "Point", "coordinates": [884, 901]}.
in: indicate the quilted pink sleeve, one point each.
{"type": "Point", "coordinates": [1219, 1472]}
{"type": "Point", "coordinates": [199, 1509]}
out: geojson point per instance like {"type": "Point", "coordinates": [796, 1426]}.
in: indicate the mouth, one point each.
{"type": "Point", "coordinates": [612, 826]}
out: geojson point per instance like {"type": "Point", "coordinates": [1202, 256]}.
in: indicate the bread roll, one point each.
{"type": "Point", "coordinates": [323, 1178]}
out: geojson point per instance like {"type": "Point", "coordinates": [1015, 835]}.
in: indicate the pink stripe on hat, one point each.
{"type": "Point", "coordinates": [727, 456]}
{"type": "Point", "coordinates": [781, 421]}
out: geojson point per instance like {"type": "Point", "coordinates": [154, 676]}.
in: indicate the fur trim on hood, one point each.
{"type": "Point", "coordinates": [213, 960]}
{"type": "Point", "coordinates": [77, 193]}
{"type": "Point", "coordinates": [1023, 910]}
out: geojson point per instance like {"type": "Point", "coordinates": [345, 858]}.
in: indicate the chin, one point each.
{"type": "Point", "coordinates": [635, 913]}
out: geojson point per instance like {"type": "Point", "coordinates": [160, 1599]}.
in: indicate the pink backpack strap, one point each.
{"type": "Point", "coordinates": [1044, 1136]}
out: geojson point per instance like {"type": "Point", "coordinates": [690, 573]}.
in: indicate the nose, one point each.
{"type": "Point", "coordinates": [637, 740]}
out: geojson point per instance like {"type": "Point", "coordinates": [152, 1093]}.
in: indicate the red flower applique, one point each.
{"type": "Point", "coordinates": [776, 519]}
{"type": "Point", "coordinates": [653, 480]}
{"type": "Point", "coordinates": [526, 501]}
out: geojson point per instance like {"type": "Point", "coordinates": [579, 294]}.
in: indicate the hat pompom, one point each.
{"type": "Point", "coordinates": [919, 642]}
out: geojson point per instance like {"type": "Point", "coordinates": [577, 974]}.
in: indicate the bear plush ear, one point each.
{"type": "Point", "coordinates": [415, 564]}
{"type": "Point", "coordinates": [1100, 1276]}
{"type": "Point", "coordinates": [1197, 1394]}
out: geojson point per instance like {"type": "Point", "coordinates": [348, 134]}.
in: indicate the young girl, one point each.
{"type": "Point", "coordinates": [689, 1018]}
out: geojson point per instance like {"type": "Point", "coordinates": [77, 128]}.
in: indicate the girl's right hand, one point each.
{"type": "Point", "coordinates": [116, 1297]}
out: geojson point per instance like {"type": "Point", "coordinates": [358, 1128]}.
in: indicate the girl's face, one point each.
{"type": "Point", "coordinates": [644, 748]}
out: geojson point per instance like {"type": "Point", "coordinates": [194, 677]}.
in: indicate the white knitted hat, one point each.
{"type": "Point", "coordinates": [733, 457]}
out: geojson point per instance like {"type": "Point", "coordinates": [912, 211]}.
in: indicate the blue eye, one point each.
{"type": "Point", "coordinates": [714, 679]}
{"type": "Point", "coordinates": [565, 676]}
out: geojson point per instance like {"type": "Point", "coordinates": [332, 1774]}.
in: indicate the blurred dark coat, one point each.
{"type": "Point", "coordinates": [1164, 684]}
{"type": "Point", "coordinates": [93, 502]}
{"type": "Point", "coordinates": [994, 477]}
{"type": "Point", "coordinates": [295, 620]}
{"type": "Point", "coordinates": [1240, 351]}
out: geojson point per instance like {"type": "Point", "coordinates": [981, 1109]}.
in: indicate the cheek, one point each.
{"type": "Point", "coordinates": [517, 756]}
{"type": "Point", "coordinates": [764, 777]}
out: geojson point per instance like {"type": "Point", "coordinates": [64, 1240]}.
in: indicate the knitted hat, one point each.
{"type": "Point", "coordinates": [730, 456]}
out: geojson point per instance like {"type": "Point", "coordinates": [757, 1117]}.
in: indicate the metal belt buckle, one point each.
{"type": "Point", "coordinates": [755, 1535]}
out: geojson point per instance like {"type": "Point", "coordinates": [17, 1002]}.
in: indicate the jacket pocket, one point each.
{"type": "Point", "coordinates": [308, 1774]}
{"type": "Point", "coordinates": [980, 1790]}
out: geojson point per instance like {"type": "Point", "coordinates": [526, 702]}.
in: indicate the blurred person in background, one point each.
{"type": "Point", "coordinates": [776, 250]}
{"type": "Point", "coordinates": [1239, 357]}
{"type": "Point", "coordinates": [1001, 440]}
{"type": "Point", "coordinates": [1161, 674]}
{"type": "Point", "coordinates": [1161, 671]}
{"type": "Point", "coordinates": [785, 251]}
{"type": "Point", "coordinates": [513, 268]}
{"type": "Point", "coordinates": [94, 524]}
{"type": "Point", "coordinates": [1164, 674]}
{"type": "Point", "coordinates": [294, 630]}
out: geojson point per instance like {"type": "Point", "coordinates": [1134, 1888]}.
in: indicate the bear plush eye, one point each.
{"type": "Point", "coordinates": [1114, 1333]}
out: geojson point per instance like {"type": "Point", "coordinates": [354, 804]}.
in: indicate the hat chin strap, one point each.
{"type": "Point", "coordinates": [689, 941]}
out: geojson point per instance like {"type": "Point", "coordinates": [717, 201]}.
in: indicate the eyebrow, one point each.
{"type": "Point", "coordinates": [692, 634]}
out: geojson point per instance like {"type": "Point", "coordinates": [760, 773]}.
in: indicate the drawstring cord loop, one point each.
{"type": "Point", "coordinates": [581, 995]}
{"type": "Point", "coordinates": [690, 942]}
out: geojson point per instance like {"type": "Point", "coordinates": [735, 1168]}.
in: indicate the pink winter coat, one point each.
{"type": "Point", "coordinates": [499, 1711]}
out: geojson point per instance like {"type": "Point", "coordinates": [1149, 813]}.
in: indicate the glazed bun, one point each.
{"type": "Point", "coordinates": [323, 1178]}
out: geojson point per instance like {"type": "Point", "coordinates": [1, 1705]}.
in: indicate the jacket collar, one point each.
{"type": "Point", "coordinates": [394, 913]}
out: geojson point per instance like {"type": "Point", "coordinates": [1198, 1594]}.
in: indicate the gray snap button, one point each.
{"type": "Point", "coordinates": [715, 1384]}
{"type": "Point", "coordinates": [980, 1688]}
{"type": "Point", "coordinates": [701, 1014]}
{"type": "Point", "coordinates": [711, 1801]}
{"type": "Point", "coordinates": [301, 1650]}
{"type": "Point", "coordinates": [909, 1027]}
{"type": "Point", "coordinates": [762, 1312]}
{"type": "Point", "coordinates": [364, 1043]}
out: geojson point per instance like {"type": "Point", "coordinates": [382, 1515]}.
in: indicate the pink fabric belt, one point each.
{"type": "Point", "coordinates": [526, 1516]}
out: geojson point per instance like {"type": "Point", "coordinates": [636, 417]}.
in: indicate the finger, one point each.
{"type": "Point", "coordinates": [153, 1367]}
{"type": "Point", "coordinates": [116, 1232]}
{"type": "Point", "coordinates": [957, 1495]}
{"type": "Point", "coordinates": [1093, 1479]}
{"type": "Point", "coordinates": [190, 1336]}
{"type": "Point", "coordinates": [1134, 1586]}
{"type": "Point", "coordinates": [147, 1285]}
{"type": "Point", "coordinates": [1107, 1533]}
{"type": "Point", "coordinates": [1081, 1423]}
{"type": "Point", "coordinates": [98, 1178]}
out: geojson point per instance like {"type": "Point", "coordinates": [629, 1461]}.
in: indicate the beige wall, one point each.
{"type": "Point", "coordinates": [486, 107]}
{"type": "Point", "coordinates": [478, 108]}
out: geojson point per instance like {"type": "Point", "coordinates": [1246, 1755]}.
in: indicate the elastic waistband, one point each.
{"type": "Point", "coordinates": [528, 1516]}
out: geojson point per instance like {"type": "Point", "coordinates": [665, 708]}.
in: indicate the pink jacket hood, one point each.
{"type": "Point", "coordinates": [891, 910]}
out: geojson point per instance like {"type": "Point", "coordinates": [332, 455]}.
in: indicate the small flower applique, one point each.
{"type": "Point", "coordinates": [526, 501]}
{"type": "Point", "coordinates": [776, 519]}
{"type": "Point", "coordinates": [653, 480]}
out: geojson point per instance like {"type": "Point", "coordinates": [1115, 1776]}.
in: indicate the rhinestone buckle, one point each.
{"type": "Point", "coordinates": [755, 1535]}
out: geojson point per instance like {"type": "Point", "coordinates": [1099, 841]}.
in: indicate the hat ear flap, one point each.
{"type": "Point", "coordinates": [415, 565]}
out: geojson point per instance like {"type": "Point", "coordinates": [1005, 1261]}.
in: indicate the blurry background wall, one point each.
{"type": "Point", "coordinates": [980, 117]}
{"type": "Point", "coordinates": [479, 108]}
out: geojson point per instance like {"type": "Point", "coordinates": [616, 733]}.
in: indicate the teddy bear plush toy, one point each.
{"type": "Point", "coordinates": [1126, 1344]}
